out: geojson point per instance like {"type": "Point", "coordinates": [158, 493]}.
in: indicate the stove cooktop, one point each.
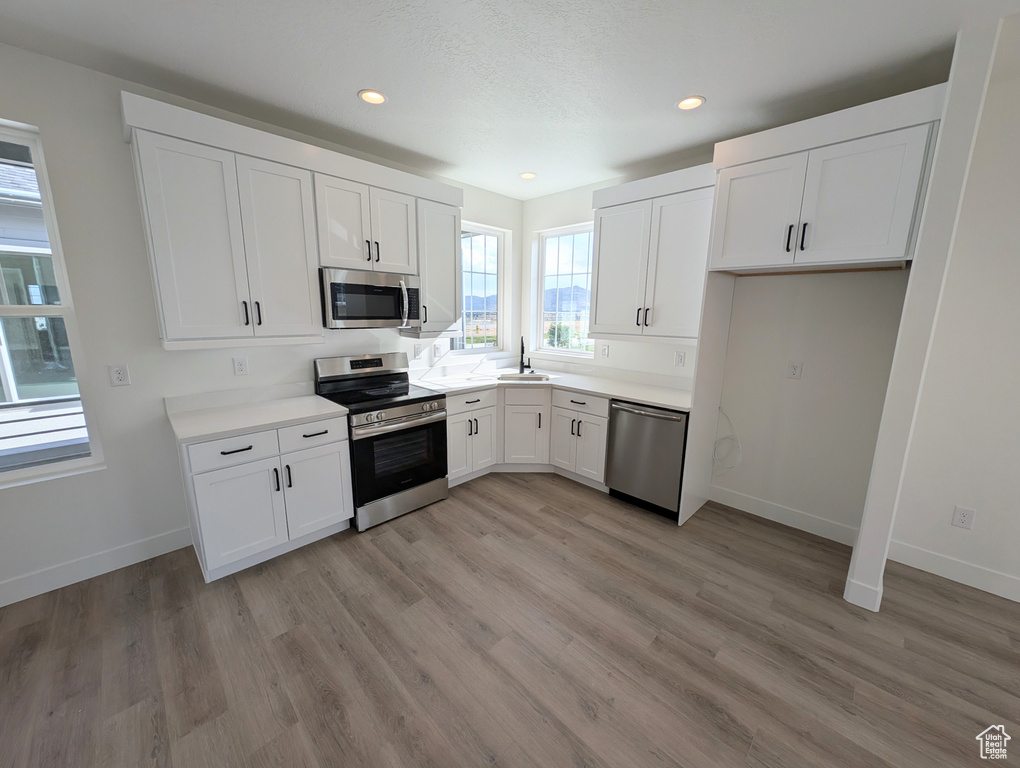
{"type": "Point", "coordinates": [376, 398]}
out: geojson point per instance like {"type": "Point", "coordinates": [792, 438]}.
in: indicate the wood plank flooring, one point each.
{"type": "Point", "coordinates": [524, 621]}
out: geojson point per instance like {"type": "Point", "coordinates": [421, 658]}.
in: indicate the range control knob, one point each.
{"type": "Point", "coordinates": [435, 406]}
{"type": "Point", "coordinates": [368, 417]}
{"type": "Point", "coordinates": [425, 406]}
{"type": "Point", "coordinates": [380, 416]}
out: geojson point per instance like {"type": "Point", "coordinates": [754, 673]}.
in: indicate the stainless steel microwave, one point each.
{"type": "Point", "coordinates": [353, 299]}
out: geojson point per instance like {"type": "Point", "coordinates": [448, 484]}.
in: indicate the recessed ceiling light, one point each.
{"type": "Point", "coordinates": [691, 102]}
{"type": "Point", "coordinates": [372, 97]}
{"type": "Point", "coordinates": [528, 175]}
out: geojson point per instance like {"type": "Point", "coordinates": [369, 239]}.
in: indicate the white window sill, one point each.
{"type": "Point", "coordinates": [51, 471]}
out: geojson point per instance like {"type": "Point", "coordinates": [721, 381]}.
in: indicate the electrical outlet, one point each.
{"type": "Point", "coordinates": [120, 376]}
{"type": "Point", "coordinates": [437, 349]}
{"type": "Point", "coordinates": [963, 518]}
{"type": "Point", "coordinates": [417, 351]}
{"type": "Point", "coordinates": [794, 370]}
{"type": "Point", "coordinates": [678, 359]}
{"type": "Point", "coordinates": [604, 350]}
{"type": "Point", "coordinates": [240, 366]}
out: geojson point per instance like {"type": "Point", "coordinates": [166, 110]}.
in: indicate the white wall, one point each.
{"type": "Point", "coordinates": [807, 443]}
{"type": "Point", "coordinates": [965, 446]}
{"type": "Point", "coordinates": [653, 359]}
{"type": "Point", "coordinates": [59, 531]}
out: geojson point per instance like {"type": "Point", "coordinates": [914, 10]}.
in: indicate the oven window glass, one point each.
{"type": "Point", "coordinates": [401, 452]}
{"type": "Point", "coordinates": [365, 302]}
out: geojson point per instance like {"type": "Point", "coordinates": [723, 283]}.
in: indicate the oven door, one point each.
{"type": "Point", "coordinates": [369, 299]}
{"type": "Point", "coordinates": [394, 457]}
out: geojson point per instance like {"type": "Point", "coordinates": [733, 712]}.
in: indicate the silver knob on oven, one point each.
{"type": "Point", "coordinates": [380, 416]}
{"type": "Point", "coordinates": [424, 406]}
{"type": "Point", "coordinates": [369, 417]}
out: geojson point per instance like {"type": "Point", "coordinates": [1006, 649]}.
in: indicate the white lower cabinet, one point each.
{"type": "Point", "coordinates": [241, 511]}
{"type": "Point", "coordinates": [526, 425]}
{"type": "Point", "coordinates": [579, 443]}
{"type": "Point", "coordinates": [470, 441]}
{"type": "Point", "coordinates": [253, 510]}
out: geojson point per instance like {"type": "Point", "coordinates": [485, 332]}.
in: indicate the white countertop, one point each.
{"type": "Point", "coordinates": [224, 421]}
{"type": "Point", "coordinates": [635, 392]}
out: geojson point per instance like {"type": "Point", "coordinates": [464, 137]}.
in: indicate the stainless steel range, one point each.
{"type": "Point", "coordinates": [397, 431]}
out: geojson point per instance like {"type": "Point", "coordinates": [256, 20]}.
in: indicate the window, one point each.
{"type": "Point", "coordinates": [481, 264]}
{"type": "Point", "coordinates": [565, 290]}
{"type": "Point", "coordinates": [41, 415]}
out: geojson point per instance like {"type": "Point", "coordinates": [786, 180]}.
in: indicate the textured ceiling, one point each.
{"type": "Point", "coordinates": [481, 90]}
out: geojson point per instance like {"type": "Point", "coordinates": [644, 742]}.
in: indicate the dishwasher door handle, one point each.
{"type": "Point", "coordinates": [666, 415]}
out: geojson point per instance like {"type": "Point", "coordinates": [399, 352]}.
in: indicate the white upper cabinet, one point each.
{"type": "Point", "coordinates": [851, 202]}
{"type": "Point", "coordinates": [677, 261]}
{"type": "Point", "coordinates": [860, 198]}
{"type": "Point", "coordinates": [393, 232]}
{"type": "Point", "coordinates": [620, 267]}
{"type": "Point", "coordinates": [757, 211]}
{"type": "Point", "coordinates": [345, 226]}
{"type": "Point", "coordinates": [279, 244]}
{"type": "Point", "coordinates": [439, 260]}
{"type": "Point", "coordinates": [193, 218]}
{"type": "Point", "coordinates": [650, 259]}
{"type": "Point", "coordinates": [366, 228]}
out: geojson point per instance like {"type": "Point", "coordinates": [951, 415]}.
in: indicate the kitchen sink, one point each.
{"type": "Point", "coordinates": [524, 377]}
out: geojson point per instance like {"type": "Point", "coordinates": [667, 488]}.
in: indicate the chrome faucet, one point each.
{"type": "Point", "coordinates": [523, 366]}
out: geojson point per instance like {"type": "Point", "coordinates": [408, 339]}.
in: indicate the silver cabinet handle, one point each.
{"type": "Point", "coordinates": [404, 309]}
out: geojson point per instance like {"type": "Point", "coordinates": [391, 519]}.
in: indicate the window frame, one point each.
{"type": "Point", "coordinates": [28, 135]}
{"type": "Point", "coordinates": [502, 286]}
{"type": "Point", "coordinates": [538, 292]}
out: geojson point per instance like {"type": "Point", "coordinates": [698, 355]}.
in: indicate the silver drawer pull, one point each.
{"type": "Point", "coordinates": [238, 450]}
{"type": "Point", "coordinates": [317, 434]}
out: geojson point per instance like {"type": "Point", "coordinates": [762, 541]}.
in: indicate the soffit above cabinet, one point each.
{"type": "Point", "coordinates": [159, 117]}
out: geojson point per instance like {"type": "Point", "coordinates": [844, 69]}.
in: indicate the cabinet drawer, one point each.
{"type": "Point", "coordinates": [580, 402]}
{"type": "Point", "coordinates": [526, 395]}
{"type": "Point", "coordinates": [470, 401]}
{"type": "Point", "coordinates": [232, 450]}
{"type": "Point", "coordinates": [312, 434]}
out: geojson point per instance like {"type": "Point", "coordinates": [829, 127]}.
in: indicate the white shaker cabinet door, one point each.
{"type": "Point", "coordinates": [483, 441]}
{"type": "Point", "coordinates": [193, 217]}
{"type": "Point", "coordinates": [241, 511]}
{"type": "Point", "coordinates": [860, 198]}
{"type": "Point", "coordinates": [394, 232]}
{"type": "Point", "coordinates": [440, 263]}
{"type": "Point", "coordinates": [677, 261]}
{"type": "Point", "coordinates": [526, 434]}
{"type": "Point", "coordinates": [758, 212]}
{"type": "Point", "coordinates": [317, 487]}
{"type": "Point", "coordinates": [344, 223]}
{"type": "Point", "coordinates": [591, 447]}
{"type": "Point", "coordinates": [279, 241]}
{"type": "Point", "coordinates": [458, 444]}
{"type": "Point", "coordinates": [620, 267]}
{"type": "Point", "coordinates": [563, 447]}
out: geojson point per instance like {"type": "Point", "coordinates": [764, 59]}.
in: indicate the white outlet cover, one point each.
{"type": "Point", "coordinates": [241, 366]}
{"type": "Point", "coordinates": [605, 350]}
{"type": "Point", "coordinates": [678, 358]}
{"type": "Point", "coordinates": [963, 517]}
{"type": "Point", "coordinates": [417, 351]}
{"type": "Point", "coordinates": [437, 349]}
{"type": "Point", "coordinates": [120, 375]}
{"type": "Point", "coordinates": [794, 370]}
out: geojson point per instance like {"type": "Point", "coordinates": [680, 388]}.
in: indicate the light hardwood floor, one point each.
{"type": "Point", "coordinates": [525, 621]}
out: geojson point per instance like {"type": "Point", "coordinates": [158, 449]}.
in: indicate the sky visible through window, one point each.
{"type": "Point", "coordinates": [566, 282]}
{"type": "Point", "coordinates": [480, 257]}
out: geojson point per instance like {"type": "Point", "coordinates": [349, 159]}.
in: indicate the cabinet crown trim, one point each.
{"type": "Point", "coordinates": [697, 177]}
{"type": "Point", "coordinates": [141, 112]}
{"type": "Point", "coordinates": [891, 114]}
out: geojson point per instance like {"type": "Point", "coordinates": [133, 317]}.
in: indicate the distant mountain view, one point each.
{"type": "Point", "coordinates": [573, 298]}
{"type": "Point", "coordinates": [481, 304]}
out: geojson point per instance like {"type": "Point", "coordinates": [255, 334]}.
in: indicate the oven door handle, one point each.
{"type": "Point", "coordinates": [404, 311]}
{"type": "Point", "coordinates": [360, 433]}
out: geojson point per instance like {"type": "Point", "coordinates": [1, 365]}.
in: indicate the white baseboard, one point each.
{"type": "Point", "coordinates": [803, 521]}
{"type": "Point", "coordinates": [979, 577]}
{"type": "Point", "coordinates": [862, 595]}
{"type": "Point", "coordinates": [28, 585]}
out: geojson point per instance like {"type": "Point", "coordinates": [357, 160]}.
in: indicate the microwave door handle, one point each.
{"type": "Point", "coordinates": [403, 310]}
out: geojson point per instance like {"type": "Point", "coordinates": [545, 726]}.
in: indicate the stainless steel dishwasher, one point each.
{"type": "Point", "coordinates": [646, 455]}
